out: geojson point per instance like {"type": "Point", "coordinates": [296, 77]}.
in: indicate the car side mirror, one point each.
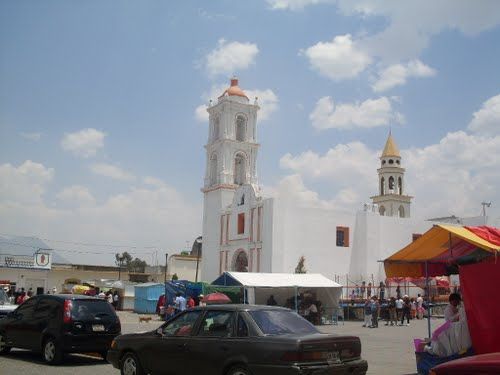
{"type": "Point", "coordinates": [159, 332]}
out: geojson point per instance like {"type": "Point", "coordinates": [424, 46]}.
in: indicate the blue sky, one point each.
{"type": "Point", "coordinates": [102, 123]}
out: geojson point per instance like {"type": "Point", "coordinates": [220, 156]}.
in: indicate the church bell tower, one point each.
{"type": "Point", "coordinates": [391, 199]}
{"type": "Point", "coordinates": [231, 155]}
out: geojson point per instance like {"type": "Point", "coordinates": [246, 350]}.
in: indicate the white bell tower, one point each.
{"type": "Point", "coordinates": [391, 199]}
{"type": "Point", "coordinates": [230, 163]}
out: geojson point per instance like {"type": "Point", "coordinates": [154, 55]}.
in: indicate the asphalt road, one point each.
{"type": "Point", "coordinates": [388, 350]}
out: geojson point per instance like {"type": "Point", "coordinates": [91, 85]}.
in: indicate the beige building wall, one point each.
{"type": "Point", "coordinates": [184, 266]}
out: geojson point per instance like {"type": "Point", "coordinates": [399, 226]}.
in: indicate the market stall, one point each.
{"type": "Point", "coordinates": [471, 252]}
{"type": "Point", "coordinates": [287, 289]}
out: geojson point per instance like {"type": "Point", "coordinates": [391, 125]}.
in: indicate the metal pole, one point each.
{"type": "Point", "coordinates": [197, 265]}
{"type": "Point", "coordinates": [296, 300]}
{"type": "Point", "coordinates": [428, 300]}
{"type": "Point", "coordinates": [165, 284]}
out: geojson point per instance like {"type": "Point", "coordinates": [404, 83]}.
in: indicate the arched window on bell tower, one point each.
{"type": "Point", "coordinates": [400, 186]}
{"type": "Point", "coordinates": [382, 182]}
{"type": "Point", "coordinates": [239, 169]}
{"type": "Point", "coordinates": [381, 210]}
{"type": "Point", "coordinates": [241, 128]}
{"type": "Point", "coordinates": [213, 170]}
{"type": "Point", "coordinates": [216, 129]}
{"type": "Point", "coordinates": [391, 183]}
{"type": "Point", "coordinates": [401, 211]}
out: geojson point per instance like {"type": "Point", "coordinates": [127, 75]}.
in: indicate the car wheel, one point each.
{"type": "Point", "coordinates": [52, 353]}
{"type": "Point", "coordinates": [4, 349]}
{"type": "Point", "coordinates": [238, 370]}
{"type": "Point", "coordinates": [130, 365]}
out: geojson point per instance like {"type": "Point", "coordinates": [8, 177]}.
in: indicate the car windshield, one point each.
{"type": "Point", "coordinates": [281, 322]}
{"type": "Point", "coordinates": [91, 309]}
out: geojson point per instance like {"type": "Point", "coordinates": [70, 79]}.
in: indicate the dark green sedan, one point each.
{"type": "Point", "coordinates": [237, 340]}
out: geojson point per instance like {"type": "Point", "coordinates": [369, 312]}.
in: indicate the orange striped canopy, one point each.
{"type": "Point", "coordinates": [441, 249]}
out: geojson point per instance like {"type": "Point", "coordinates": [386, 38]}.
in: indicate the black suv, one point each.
{"type": "Point", "coordinates": [57, 324]}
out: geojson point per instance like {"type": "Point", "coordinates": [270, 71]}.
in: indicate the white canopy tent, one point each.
{"type": "Point", "coordinates": [283, 286]}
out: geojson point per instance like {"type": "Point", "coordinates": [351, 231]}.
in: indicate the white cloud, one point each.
{"type": "Point", "coordinates": [294, 4]}
{"type": "Point", "coordinates": [411, 25]}
{"type": "Point", "coordinates": [25, 184]}
{"type": "Point", "coordinates": [451, 177]}
{"type": "Point", "coordinates": [397, 74]}
{"type": "Point", "coordinates": [84, 143]}
{"type": "Point", "coordinates": [339, 59]}
{"type": "Point", "coordinates": [111, 171]}
{"type": "Point", "coordinates": [76, 195]}
{"type": "Point", "coordinates": [153, 215]}
{"type": "Point", "coordinates": [368, 114]}
{"type": "Point", "coordinates": [487, 120]}
{"type": "Point", "coordinates": [230, 57]}
{"type": "Point", "coordinates": [267, 101]}
{"type": "Point", "coordinates": [31, 136]}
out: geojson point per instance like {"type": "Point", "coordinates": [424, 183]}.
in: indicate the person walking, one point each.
{"type": "Point", "coordinates": [367, 313]}
{"type": "Point", "coordinates": [116, 300]}
{"type": "Point", "coordinates": [406, 310]}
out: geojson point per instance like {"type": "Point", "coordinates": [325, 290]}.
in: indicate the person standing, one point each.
{"type": "Point", "coordinates": [201, 301]}
{"type": "Point", "coordinates": [392, 312]}
{"type": "Point", "coordinates": [375, 307]}
{"type": "Point", "coordinates": [399, 309]}
{"type": "Point", "coordinates": [406, 310]}
{"type": "Point", "coordinates": [116, 300]}
{"type": "Point", "coordinates": [367, 313]}
{"type": "Point", "coordinates": [381, 291]}
{"type": "Point", "coordinates": [420, 307]}
{"type": "Point", "coordinates": [398, 292]}
{"type": "Point", "coordinates": [180, 303]}
{"type": "Point", "coordinates": [190, 302]}
{"type": "Point", "coordinates": [369, 291]}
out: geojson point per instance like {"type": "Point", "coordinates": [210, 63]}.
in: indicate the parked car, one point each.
{"type": "Point", "coordinates": [237, 340]}
{"type": "Point", "coordinates": [58, 324]}
{"type": "Point", "coordinates": [481, 364]}
{"type": "Point", "coordinates": [5, 306]}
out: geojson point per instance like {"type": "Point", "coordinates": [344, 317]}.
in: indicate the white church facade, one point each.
{"type": "Point", "coordinates": [245, 232]}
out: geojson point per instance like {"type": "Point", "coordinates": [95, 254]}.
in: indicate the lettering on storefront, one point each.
{"type": "Point", "coordinates": [36, 261]}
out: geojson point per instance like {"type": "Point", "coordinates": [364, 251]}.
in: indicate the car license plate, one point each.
{"type": "Point", "coordinates": [332, 357]}
{"type": "Point", "coordinates": [97, 328]}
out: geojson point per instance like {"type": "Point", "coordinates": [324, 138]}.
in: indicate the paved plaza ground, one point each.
{"type": "Point", "coordinates": [388, 350]}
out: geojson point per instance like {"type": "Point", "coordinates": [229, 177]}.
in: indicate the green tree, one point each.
{"type": "Point", "coordinates": [301, 268]}
{"type": "Point", "coordinates": [175, 277]}
{"type": "Point", "coordinates": [122, 259]}
{"type": "Point", "coordinates": [132, 265]}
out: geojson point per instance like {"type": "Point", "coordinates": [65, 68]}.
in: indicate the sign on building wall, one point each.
{"type": "Point", "coordinates": [39, 260]}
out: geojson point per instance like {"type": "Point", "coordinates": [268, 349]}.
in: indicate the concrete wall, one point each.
{"type": "Point", "coordinates": [184, 267]}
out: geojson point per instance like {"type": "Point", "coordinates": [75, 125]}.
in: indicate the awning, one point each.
{"type": "Point", "coordinates": [442, 248]}
{"type": "Point", "coordinates": [276, 280]}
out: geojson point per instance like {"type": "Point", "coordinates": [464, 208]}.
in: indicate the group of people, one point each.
{"type": "Point", "coordinates": [19, 296]}
{"type": "Point", "coordinates": [399, 309]}
{"type": "Point", "coordinates": [112, 298]}
{"type": "Point", "coordinates": [179, 304]}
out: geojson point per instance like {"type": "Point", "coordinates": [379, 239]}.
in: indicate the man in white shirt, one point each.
{"type": "Point", "coordinates": [420, 307]}
{"type": "Point", "coordinates": [399, 309]}
{"type": "Point", "coordinates": [180, 303]}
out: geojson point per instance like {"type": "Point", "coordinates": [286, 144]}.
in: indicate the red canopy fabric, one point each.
{"type": "Point", "coordinates": [479, 286]}
{"type": "Point", "coordinates": [490, 234]}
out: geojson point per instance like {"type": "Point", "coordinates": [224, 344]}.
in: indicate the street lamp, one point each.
{"type": "Point", "coordinates": [166, 266]}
